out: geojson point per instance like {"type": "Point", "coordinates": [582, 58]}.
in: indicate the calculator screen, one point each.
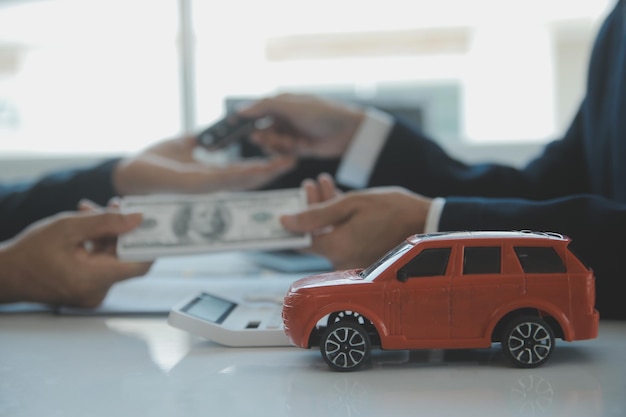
{"type": "Point", "coordinates": [209, 307]}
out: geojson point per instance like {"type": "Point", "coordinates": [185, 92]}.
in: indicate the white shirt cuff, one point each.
{"type": "Point", "coordinates": [434, 214]}
{"type": "Point", "coordinates": [359, 160]}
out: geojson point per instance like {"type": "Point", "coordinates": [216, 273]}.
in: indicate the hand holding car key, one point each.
{"type": "Point", "coordinates": [227, 130]}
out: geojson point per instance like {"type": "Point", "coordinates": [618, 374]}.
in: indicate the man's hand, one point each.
{"type": "Point", "coordinates": [304, 125]}
{"type": "Point", "coordinates": [320, 190]}
{"type": "Point", "coordinates": [355, 229]}
{"type": "Point", "coordinates": [170, 167]}
{"type": "Point", "coordinates": [68, 259]}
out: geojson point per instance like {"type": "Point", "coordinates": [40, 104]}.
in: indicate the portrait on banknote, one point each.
{"type": "Point", "coordinates": [200, 222]}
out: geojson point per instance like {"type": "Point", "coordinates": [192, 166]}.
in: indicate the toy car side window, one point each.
{"type": "Point", "coordinates": [428, 263]}
{"type": "Point", "coordinates": [482, 260]}
{"type": "Point", "coordinates": [539, 259]}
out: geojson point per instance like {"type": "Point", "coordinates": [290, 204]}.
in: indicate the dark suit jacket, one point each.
{"type": "Point", "coordinates": [26, 202]}
{"type": "Point", "coordinates": [576, 187]}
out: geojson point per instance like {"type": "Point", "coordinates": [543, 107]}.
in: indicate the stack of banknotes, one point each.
{"type": "Point", "coordinates": [176, 225]}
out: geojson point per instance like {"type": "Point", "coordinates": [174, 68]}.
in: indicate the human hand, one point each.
{"type": "Point", "coordinates": [67, 259]}
{"type": "Point", "coordinates": [304, 125]}
{"type": "Point", "coordinates": [355, 229]}
{"type": "Point", "coordinates": [170, 167]}
{"type": "Point", "coordinates": [321, 189]}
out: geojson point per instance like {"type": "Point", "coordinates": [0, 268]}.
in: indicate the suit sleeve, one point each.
{"type": "Point", "coordinates": [26, 202]}
{"type": "Point", "coordinates": [411, 160]}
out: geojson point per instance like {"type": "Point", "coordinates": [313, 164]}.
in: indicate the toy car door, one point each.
{"type": "Point", "coordinates": [424, 283]}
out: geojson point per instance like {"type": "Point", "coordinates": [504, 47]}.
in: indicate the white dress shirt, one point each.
{"type": "Point", "coordinates": [360, 158]}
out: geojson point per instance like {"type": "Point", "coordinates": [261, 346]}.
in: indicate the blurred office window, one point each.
{"type": "Point", "coordinates": [98, 77]}
{"type": "Point", "coordinates": [87, 77]}
{"type": "Point", "coordinates": [478, 71]}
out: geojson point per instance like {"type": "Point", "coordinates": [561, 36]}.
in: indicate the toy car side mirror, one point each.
{"type": "Point", "coordinates": [402, 275]}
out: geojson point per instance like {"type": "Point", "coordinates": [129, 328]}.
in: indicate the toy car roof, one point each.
{"type": "Point", "coordinates": [461, 235]}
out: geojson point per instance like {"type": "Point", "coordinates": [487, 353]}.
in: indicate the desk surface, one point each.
{"type": "Point", "coordinates": [55, 365]}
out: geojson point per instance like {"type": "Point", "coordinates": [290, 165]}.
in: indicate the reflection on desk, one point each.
{"type": "Point", "coordinates": [123, 366]}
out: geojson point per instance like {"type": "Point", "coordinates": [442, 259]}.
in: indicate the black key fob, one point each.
{"type": "Point", "coordinates": [225, 131]}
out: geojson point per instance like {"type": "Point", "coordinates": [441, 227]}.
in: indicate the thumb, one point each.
{"type": "Point", "coordinates": [319, 217]}
{"type": "Point", "coordinates": [255, 109]}
{"type": "Point", "coordinates": [93, 225]}
{"type": "Point", "coordinates": [281, 105]}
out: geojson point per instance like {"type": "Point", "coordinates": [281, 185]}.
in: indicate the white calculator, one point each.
{"type": "Point", "coordinates": [254, 321]}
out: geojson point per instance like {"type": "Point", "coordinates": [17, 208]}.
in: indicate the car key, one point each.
{"type": "Point", "coordinates": [227, 130]}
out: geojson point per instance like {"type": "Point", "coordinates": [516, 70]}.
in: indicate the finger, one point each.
{"type": "Point", "coordinates": [175, 146]}
{"type": "Point", "coordinates": [114, 203]}
{"type": "Point", "coordinates": [327, 187]}
{"type": "Point", "coordinates": [311, 191]}
{"type": "Point", "coordinates": [91, 225]}
{"type": "Point", "coordinates": [248, 174]}
{"type": "Point", "coordinates": [255, 109]}
{"type": "Point", "coordinates": [115, 270]}
{"type": "Point", "coordinates": [102, 245]}
{"type": "Point", "coordinates": [269, 106]}
{"type": "Point", "coordinates": [274, 143]}
{"type": "Point", "coordinates": [264, 139]}
{"type": "Point", "coordinates": [330, 245]}
{"type": "Point", "coordinates": [284, 144]}
{"type": "Point", "coordinates": [125, 270]}
{"type": "Point", "coordinates": [319, 217]}
{"type": "Point", "coordinates": [257, 166]}
{"type": "Point", "coordinates": [170, 176]}
{"type": "Point", "coordinates": [88, 205]}
{"type": "Point", "coordinates": [188, 142]}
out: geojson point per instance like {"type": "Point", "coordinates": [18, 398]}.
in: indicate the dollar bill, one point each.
{"type": "Point", "coordinates": [190, 224]}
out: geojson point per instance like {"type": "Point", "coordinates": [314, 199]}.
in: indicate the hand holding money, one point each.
{"type": "Point", "coordinates": [193, 224]}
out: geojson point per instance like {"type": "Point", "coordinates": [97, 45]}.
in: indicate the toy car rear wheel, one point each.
{"type": "Point", "coordinates": [345, 346]}
{"type": "Point", "coordinates": [528, 341]}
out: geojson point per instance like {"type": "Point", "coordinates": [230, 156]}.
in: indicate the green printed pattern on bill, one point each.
{"type": "Point", "coordinates": [190, 224]}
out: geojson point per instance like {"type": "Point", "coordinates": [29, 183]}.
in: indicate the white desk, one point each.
{"type": "Point", "coordinates": [117, 366]}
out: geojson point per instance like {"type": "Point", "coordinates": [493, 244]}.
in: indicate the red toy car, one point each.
{"type": "Point", "coordinates": [455, 290]}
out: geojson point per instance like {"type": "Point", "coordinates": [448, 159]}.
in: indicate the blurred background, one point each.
{"type": "Point", "coordinates": [83, 80]}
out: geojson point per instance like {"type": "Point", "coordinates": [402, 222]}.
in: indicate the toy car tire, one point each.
{"type": "Point", "coordinates": [345, 346]}
{"type": "Point", "coordinates": [528, 341]}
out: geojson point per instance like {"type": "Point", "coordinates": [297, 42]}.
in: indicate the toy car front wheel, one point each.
{"type": "Point", "coordinates": [528, 342]}
{"type": "Point", "coordinates": [345, 346]}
